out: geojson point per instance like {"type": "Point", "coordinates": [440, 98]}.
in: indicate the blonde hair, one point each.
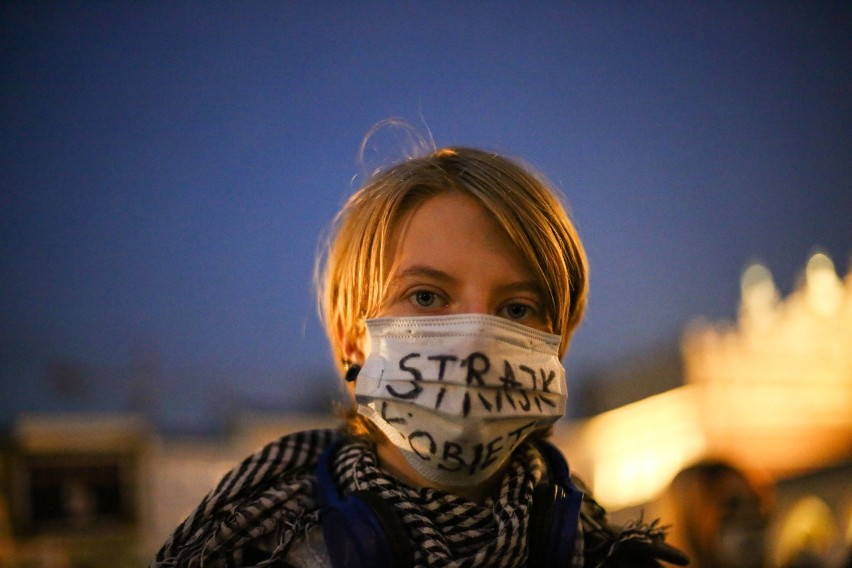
{"type": "Point", "coordinates": [353, 270]}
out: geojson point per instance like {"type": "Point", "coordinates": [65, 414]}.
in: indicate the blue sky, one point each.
{"type": "Point", "coordinates": [166, 169]}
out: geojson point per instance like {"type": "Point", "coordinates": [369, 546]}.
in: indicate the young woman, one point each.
{"type": "Point", "coordinates": [450, 289]}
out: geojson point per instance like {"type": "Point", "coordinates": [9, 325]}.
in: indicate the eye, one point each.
{"type": "Point", "coordinates": [517, 311]}
{"type": "Point", "coordinates": [424, 299]}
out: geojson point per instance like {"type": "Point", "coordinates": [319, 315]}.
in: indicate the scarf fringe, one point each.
{"type": "Point", "coordinates": [636, 544]}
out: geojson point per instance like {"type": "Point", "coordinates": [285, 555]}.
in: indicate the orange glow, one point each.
{"type": "Point", "coordinates": [773, 393]}
{"type": "Point", "coordinates": [638, 448]}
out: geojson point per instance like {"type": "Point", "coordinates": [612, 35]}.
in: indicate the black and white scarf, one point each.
{"type": "Point", "coordinates": [271, 494]}
{"type": "Point", "coordinates": [448, 530]}
{"type": "Point", "coordinates": [269, 498]}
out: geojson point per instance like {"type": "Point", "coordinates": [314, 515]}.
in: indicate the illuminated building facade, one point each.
{"type": "Point", "coordinates": [771, 393]}
{"type": "Point", "coordinates": [775, 392]}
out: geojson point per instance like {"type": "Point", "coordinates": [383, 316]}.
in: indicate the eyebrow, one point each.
{"type": "Point", "coordinates": [425, 271]}
{"type": "Point", "coordinates": [525, 286]}
{"type": "Point", "coordinates": [422, 270]}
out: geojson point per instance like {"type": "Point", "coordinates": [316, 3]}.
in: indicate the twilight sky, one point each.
{"type": "Point", "coordinates": [166, 169]}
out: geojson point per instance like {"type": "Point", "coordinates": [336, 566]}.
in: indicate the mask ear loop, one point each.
{"type": "Point", "coordinates": [352, 371]}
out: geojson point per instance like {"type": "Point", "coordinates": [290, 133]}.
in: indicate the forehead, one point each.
{"type": "Point", "coordinates": [457, 232]}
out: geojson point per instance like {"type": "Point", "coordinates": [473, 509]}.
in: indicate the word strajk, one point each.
{"type": "Point", "coordinates": [477, 370]}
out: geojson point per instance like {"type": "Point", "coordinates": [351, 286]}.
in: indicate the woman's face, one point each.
{"type": "Point", "coordinates": [452, 257]}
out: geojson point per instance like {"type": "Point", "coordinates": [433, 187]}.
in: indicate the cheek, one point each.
{"type": "Point", "coordinates": [543, 325]}
{"type": "Point", "coordinates": [392, 309]}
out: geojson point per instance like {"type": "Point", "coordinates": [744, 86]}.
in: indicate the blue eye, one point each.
{"type": "Point", "coordinates": [517, 311]}
{"type": "Point", "coordinates": [424, 299]}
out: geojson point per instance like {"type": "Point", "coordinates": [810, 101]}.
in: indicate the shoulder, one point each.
{"type": "Point", "coordinates": [268, 488]}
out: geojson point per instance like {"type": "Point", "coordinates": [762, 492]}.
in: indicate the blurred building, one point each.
{"type": "Point", "coordinates": [92, 490]}
{"type": "Point", "coordinates": [771, 392]}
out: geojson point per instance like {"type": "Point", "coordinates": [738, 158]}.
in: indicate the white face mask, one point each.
{"type": "Point", "coordinates": [456, 394]}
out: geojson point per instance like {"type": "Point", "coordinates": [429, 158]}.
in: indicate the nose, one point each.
{"type": "Point", "coordinates": [474, 303]}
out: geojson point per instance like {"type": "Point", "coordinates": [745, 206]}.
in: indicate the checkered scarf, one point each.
{"type": "Point", "coordinates": [270, 494]}
{"type": "Point", "coordinates": [451, 531]}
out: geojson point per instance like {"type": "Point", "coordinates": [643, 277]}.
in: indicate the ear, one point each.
{"type": "Point", "coordinates": [351, 344]}
{"type": "Point", "coordinates": [353, 352]}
